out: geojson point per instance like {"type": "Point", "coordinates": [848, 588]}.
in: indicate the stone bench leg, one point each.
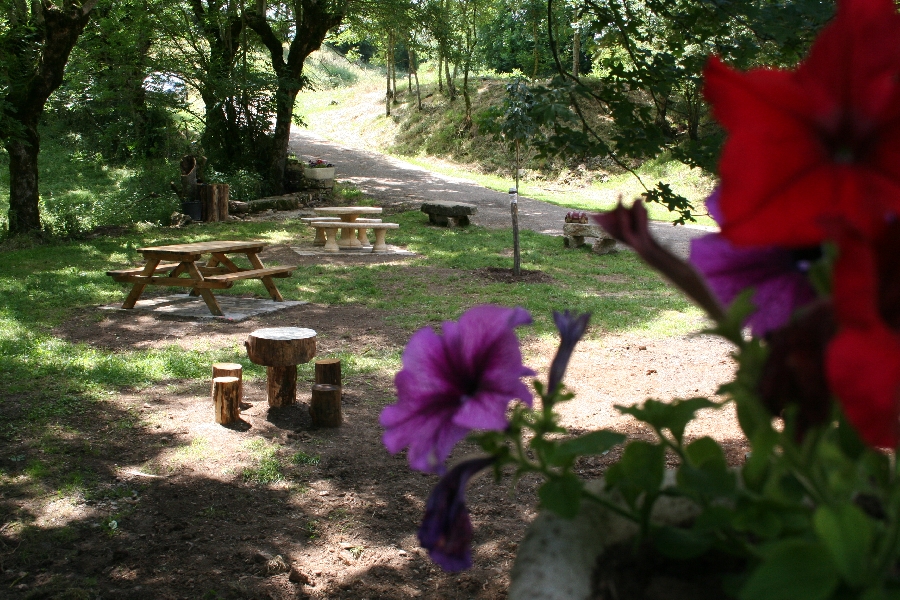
{"type": "Point", "coordinates": [331, 240]}
{"type": "Point", "coordinates": [348, 238]}
{"type": "Point", "coordinates": [575, 241]}
{"type": "Point", "coordinates": [438, 220]}
{"type": "Point", "coordinates": [380, 245]}
{"type": "Point", "coordinates": [361, 236]}
{"type": "Point", "coordinates": [320, 237]}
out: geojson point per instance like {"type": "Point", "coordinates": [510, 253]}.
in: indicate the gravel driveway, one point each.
{"type": "Point", "coordinates": [391, 179]}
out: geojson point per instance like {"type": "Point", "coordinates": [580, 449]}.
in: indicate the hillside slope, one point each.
{"type": "Point", "coordinates": [354, 115]}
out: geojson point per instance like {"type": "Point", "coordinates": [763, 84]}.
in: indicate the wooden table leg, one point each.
{"type": "Point", "coordinates": [138, 288]}
{"type": "Point", "coordinates": [267, 281]}
{"type": "Point", "coordinates": [205, 293]}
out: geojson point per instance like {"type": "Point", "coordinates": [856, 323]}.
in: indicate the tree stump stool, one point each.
{"type": "Point", "coordinates": [280, 350]}
{"type": "Point", "coordinates": [227, 399]}
{"type": "Point", "coordinates": [325, 405]}
{"type": "Point", "coordinates": [224, 369]}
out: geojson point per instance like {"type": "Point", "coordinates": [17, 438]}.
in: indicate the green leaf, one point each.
{"type": "Point", "coordinates": [847, 534]}
{"type": "Point", "coordinates": [705, 450]}
{"type": "Point", "coordinates": [680, 543]}
{"type": "Point", "coordinates": [562, 495]}
{"type": "Point", "coordinates": [705, 475]}
{"type": "Point", "coordinates": [640, 470]}
{"type": "Point", "coordinates": [596, 442]}
{"type": "Point", "coordinates": [792, 570]}
{"type": "Point", "coordinates": [673, 416]}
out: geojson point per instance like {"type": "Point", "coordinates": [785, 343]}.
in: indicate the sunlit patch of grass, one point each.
{"type": "Point", "coordinates": [267, 468]}
{"type": "Point", "coordinates": [197, 450]}
{"type": "Point", "coordinates": [302, 458]}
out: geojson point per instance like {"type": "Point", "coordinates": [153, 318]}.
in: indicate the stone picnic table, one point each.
{"type": "Point", "coordinates": [349, 222]}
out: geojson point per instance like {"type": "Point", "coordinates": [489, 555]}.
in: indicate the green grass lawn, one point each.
{"type": "Point", "coordinates": [42, 285]}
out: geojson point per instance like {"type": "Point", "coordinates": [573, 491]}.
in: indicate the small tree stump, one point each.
{"type": "Point", "coordinates": [228, 370]}
{"type": "Point", "coordinates": [325, 406]}
{"type": "Point", "coordinates": [328, 370]}
{"type": "Point", "coordinates": [227, 399]}
{"type": "Point", "coordinates": [281, 349]}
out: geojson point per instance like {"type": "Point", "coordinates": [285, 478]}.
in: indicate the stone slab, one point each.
{"type": "Point", "coordinates": [447, 208]}
{"type": "Point", "coordinates": [584, 230]}
{"type": "Point", "coordinates": [185, 306]}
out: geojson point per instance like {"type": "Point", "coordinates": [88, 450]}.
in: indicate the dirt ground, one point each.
{"type": "Point", "coordinates": [182, 507]}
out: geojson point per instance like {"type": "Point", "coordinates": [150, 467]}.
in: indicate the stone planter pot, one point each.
{"type": "Point", "coordinates": [319, 177]}
{"type": "Point", "coordinates": [318, 173]}
{"type": "Point", "coordinates": [591, 557]}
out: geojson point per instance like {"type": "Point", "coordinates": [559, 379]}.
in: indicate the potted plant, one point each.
{"type": "Point", "coordinates": [802, 281]}
{"type": "Point", "coordinates": [318, 169]}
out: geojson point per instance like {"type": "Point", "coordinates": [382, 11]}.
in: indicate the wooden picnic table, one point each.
{"type": "Point", "coordinates": [182, 270]}
{"type": "Point", "coordinates": [348, 214]}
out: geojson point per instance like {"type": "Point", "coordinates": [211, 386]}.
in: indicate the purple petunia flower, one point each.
{"type": "Point", "coordinates": [446, 530]}
{"type": "Point", "coordinates": [780, 285]}
{"type": "Point", "coordinates": [452, 384]}
{"type": "Point", "coordinates": [570, 328]}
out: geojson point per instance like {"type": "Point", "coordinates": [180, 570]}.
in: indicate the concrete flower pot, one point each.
{"type": "Point", "coordinates": [318, 173]}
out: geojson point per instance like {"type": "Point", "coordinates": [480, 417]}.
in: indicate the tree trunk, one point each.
{"type": "Point", "coordinates": [228, 370]}
{"type": "Point", "coordinates": [227, 399]}
{"type": "Point", "coordinates": [24, 208]}
{"type": "Point", "coordinates": [440, 71]}
{"type": "Point", "coordinates": [285, 97]}
{"type": "Point", "coordinates": [325, 405]}
{"type": "Point", "coordinates": [49, 34]}
{"type": "Point", "coordinates": [281, 386]}
{"type": "Point", "coordinates": [328, 370]}
{"type": "Point", "coordinates": [576, 52]}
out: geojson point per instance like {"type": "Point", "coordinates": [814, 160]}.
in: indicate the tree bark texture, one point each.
{"type": "Point", "coordinates": [227, 399]}
{"type": "Point", "coordinates": [325, 405]}
{"type": "Point", "coordinates": [49, 33]}
{"type": "Point", "coordinates": [228, 370]}
{"type": "Point", "coordinates": [214, 202]}
{"type": "Point", "coordinates": [328, 370]}
{"type": "Point", "coordinates": [281, 386]}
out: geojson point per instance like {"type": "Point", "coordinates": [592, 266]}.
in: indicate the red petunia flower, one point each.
{"type": "Point", "coordinates": [816, 143]}
{"type": "Point", "coordinates": [863, 360]}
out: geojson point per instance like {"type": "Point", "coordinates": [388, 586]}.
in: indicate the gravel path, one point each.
{"type": "Point", "coordinates": [389, 179]}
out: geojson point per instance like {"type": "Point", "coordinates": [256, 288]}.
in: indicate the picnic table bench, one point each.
{"type": "Point", "coordinates": [183, 269]}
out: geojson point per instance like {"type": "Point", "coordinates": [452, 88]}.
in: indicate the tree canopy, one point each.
{"type": "Point", "coordinates": [148, 78]}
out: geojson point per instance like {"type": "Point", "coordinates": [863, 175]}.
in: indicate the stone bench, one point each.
{"type": "Point", "coordinates": [440, 212]}
{"type": "Point", "coordinates": [574, 234]}
{"type": "Point", "coordinates": [330, 229]}
{"type": "Point", "coordinates": [320, 233]}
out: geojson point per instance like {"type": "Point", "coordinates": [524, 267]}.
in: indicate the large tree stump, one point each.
{"type": "Point", "coordinates": [227, 399]}
{"type": "Point", "coordinates": [214, 202]}
{"type": "Point", "coordinates": [328, 370]}
{"type": "Point", "coordinates": [325, 406]}
{"type": "Point", "coordinates": [281, 349]}
{"type": "Point", "coordinates": [229, 370]}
